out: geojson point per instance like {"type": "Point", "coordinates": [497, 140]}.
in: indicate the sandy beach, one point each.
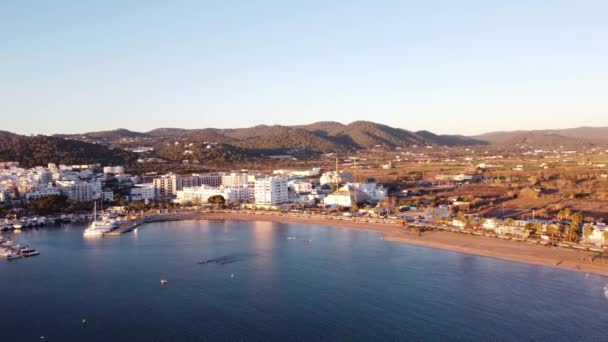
{"type": "Point", "coordinates": [563, 258]}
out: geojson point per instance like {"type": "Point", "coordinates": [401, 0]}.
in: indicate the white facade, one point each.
{"type": "Point", "coordinates": [597, 236]}
{"type": "Point", "coordinates": [167, 185]}
{"type": "Point", "coordinates": [77, 190]}
{"type": "Point", "coordinates": [345, 197]}
{"type": "Point", "coordinates": [271, 191]}
{"type": "Point", "coordinates": [44, 177]}
{"type": "Point", "coordinates": [117, 170]}
{"type": "Point", "coordinates": [204, 192]}
{"type": "Point", "coordinates": [143, 192]}
{"type": "Point", "coordinates": [300, 186]}
{"type": "Point", "coordinates": [374, 191]}
{"type": "Point", "coordinates": [315, 171]}
{"type": "Point", "coordinates": [334, 177]}
{"type": "Point", "coordinates": [42, 192]}
{"type": "Point", "coordinates": [235, 179]}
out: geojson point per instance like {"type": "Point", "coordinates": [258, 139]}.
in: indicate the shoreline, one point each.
{"type": "Point", "coordinates": [522, 252]}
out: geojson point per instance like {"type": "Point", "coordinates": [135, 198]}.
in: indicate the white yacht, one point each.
{"type": "Point", "coordinates": [100, 225]}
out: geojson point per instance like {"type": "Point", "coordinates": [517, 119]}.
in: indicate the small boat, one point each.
{"type": "Point", "coordinates": [164, 282]}
{"type": "Point", "coordinates": [291, 238]}
{"type": "Point", "coordinates": [26, 251]}
{"type": "Point", "coordinates": [12, 256]}
{"type": "Point", "coordinates": [17, 225]}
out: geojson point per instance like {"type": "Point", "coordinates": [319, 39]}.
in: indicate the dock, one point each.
{"type": "Point", "coordinates": [126, 227]}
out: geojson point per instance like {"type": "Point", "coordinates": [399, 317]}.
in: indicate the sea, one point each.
{"type": "Point", "coordinates": [264, 281]}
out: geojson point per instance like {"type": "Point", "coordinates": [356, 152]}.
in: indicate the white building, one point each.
{"type": "Point", "coordinates": [300, 186]}
{"type": "Point", "coordinates": [167, 185]}
{"type": "Point", "coordinates": [334, 177]}
{"type": "Point", "coordinates": [117, 170]}
{"type": "Point", "coordinates": [315, 171]}
{"type": "Point", "coordinates": [204, 192]}
{"type": "Point", "coordinates": [211, 179]}
{"type": "Point", "coordinates": [374, 191]}
{"type": "Point", "coordinates": [44, 177]}
{"type": "Point", "coordinates": [37, 193]}
{"type": "Point", "coordinates": [271, 191]}
{"type": "Point", "coordinates": [597, 236]}
{"type": "Point", "coordinates": [235, 179]}
{"type": "Point", "coordinates": [345, 197]}
{"type": "Point", "coordinates": [142, 192]}
{"type": "Point", "coordinates": [77, 190]}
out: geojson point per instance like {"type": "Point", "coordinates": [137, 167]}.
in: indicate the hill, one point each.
{"type": "Point", "coordinates": [112, 135]}
{"type": "Point", "coordinates": [40, 150]}
{"type": "Point", "coordinates": [318, 137]}
{"type": "Point", "coordinates": [275, 139]}
{"type": "Point", "coordinates": [545, 138]}
{"type": "Point", "coordinates": [593, 134]}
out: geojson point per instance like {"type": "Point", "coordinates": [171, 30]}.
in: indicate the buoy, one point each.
{"type": "Point", "coordinates": [232, 275]}
{"type": "Point", "coordinates": [84, 322]}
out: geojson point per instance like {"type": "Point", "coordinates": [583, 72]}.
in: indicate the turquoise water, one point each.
{"type": "Point", "coordinates": [345, 285]}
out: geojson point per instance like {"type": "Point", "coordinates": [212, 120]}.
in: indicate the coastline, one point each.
{"type": "Point", "coordinates": [554, 257]}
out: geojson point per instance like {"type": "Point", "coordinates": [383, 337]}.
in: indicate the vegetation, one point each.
{"type": "Point", "coordinates": [41, 150]}
{"type": "Point", "coordinates": [56, 204]}
{"type": "Point", "coordinates": [218, 200]}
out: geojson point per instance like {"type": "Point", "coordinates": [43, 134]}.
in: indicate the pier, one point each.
{"type": "Point", "coordinates": [126, 227]}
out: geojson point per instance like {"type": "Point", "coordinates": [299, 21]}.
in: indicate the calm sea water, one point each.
{"type": "Point", "coordinates": [345, 285]}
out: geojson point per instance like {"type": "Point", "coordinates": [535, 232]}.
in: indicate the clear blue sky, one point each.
{"type": "Point", "coordinates": [446, 66]}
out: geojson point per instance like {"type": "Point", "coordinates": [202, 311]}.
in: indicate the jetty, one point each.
{"type": "Point", "coordinates": [126, 227]}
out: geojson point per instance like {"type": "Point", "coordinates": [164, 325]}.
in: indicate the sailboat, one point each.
{"type": "Point", "coordinates": [101, 225]}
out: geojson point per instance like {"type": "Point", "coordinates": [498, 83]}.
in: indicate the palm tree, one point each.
{"type": "Point", "coordinates": [573, 231]}
{"type": "Point", "coordinates": [588, 230]}
{"type": "Point", "coordinates": [538, 229]}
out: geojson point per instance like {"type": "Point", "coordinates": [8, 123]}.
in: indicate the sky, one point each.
{"type": "Point", "coordinates": [462, 67]}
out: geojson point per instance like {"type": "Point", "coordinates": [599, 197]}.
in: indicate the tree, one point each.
{"type": "Point", "coordinates": [553, 230]}
{"type": "Point", "coordinates": [573, 231]}
{"type": "Point", "coordinates": [218, 200]}
{"type": "Point", "coordinates": [460, 216]}
{"type": "Point", "coordinates": [564, 214]}
{"type": "Point", "coordinates": [588, 230]}
{"type": "Point", "coordinates": [605, 235]}
{"type": "Point", "coordinates": [538, 228]}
